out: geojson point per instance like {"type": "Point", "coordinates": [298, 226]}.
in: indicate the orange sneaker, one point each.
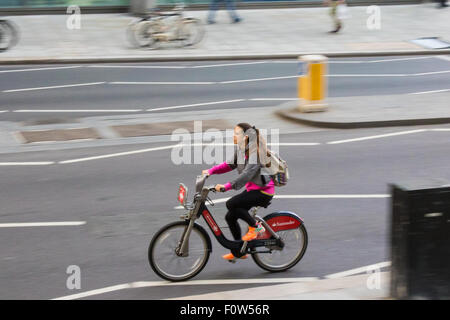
{"type": "Point", "coordinates": [253, 232]}
{"type": "Point", "coordinates": [230, 256]}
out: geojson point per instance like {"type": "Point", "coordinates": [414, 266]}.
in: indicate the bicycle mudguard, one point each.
{"type": "Point", "coordinates": [279, 221]}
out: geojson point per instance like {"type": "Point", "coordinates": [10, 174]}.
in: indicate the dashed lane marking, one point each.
{"type": "Point", "coordinates": [432, 91]}
{"type": "Point", "coordinates": [41, 163]}
{"type": "Point", "coordinates": [54, 87]}
{"type": "Point", "coordinates": [196, 105]}
{"type": "Point", "coordinates": [38, 69]}
{"type": "Point", "coordinates": [378, 136]}
{"type": "Point", "coordinates": [42, 224]}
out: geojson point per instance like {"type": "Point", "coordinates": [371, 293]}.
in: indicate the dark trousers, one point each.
{"type": "Point", "coordinates": [214, 6]}
{"type": "Point", "coordinates": [238, 207]}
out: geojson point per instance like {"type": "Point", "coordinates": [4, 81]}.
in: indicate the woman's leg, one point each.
{"type": "Point", "coordinates": [239, 205]}
{"type": "Point", "coordinates": [232, 220]}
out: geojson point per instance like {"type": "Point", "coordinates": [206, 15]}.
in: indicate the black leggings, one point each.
{"type": "Point", "coordinates": [238, 207]}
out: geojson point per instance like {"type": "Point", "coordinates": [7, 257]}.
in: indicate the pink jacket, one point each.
{"type": "Point", "coordinates": [224, 167]}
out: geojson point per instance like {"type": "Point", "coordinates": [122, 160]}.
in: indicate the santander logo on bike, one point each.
{"type": "Point", "coordinates": [280, 224]}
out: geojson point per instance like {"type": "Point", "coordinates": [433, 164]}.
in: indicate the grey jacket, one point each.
{"type": "Point", "coordinates": [249, 169]}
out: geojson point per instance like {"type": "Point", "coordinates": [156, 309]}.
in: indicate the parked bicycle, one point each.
{"type": "Point", "coordinates": [8, 35]}
{"type": "Point", "coordinates": [180, 250]}
{"type": "Point", "coordinates": [159, 27]}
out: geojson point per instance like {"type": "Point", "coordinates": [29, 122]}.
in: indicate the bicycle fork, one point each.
{"type": "Point", "coordinates": [182, 249]}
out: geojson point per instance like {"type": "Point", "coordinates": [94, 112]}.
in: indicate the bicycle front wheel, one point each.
{"type": "Point", "coordinates": [8, 35]}
{"type": "Point", "coordinates": [191, 32]}
{"type": "Point", "coordinates": [165, 261]}
{"type": "Point", "coordinates": [295, 243]}
{"type": "Point", "coordinates": [140, 33]}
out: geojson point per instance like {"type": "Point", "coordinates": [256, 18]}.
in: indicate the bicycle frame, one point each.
{"type": "Point", "coordinates": [168, 24]}
{"type": "Point", "coordinates": [238, 247]}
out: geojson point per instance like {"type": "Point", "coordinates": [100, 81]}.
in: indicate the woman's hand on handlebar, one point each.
{"type": "Point", "coordinates": [205, 173]}
{"type": "Point", "coordinates": [220, 188]}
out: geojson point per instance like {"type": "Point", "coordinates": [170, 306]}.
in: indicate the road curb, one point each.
{"type": "Point", "coordinates": [293, 115]}
{"type": "Point", "coordinates": [214, 57]}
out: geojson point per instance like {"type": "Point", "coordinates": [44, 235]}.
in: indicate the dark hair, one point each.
{"type": "Point", "coordinates": [245, 127]}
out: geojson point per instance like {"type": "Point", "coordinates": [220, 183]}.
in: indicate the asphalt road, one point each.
{"type": "Point", "coordinates": [125, 200]}
{"type": "Point", "coordinates": [136, 88]}
{"type": "Point", "coordinates": [122, 201]}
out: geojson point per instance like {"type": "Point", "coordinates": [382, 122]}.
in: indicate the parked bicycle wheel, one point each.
{"type": "Point", "coordinates": [165, 261]}
{"type": "Point", "coordinates": [8, 35]}
{"type": "Point", "coordinates": [140, 33]}
{"type": "Point", "coordinates": [191, 32]}
{"type": "Point", "coordinates": [295, 243]}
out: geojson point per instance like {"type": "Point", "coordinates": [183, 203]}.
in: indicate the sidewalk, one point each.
{"type": "Point", "coordinates": [348, 288]}
{"type": "Point", "coordinates": [265, 33]}
{"type": "Point", "coordinates": [375, 111]}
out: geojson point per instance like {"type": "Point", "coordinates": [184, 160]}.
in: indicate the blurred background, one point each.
{"type": "Point", "coordinates": [358, 99]}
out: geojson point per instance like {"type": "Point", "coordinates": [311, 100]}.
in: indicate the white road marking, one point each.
{"type": "Point", "coordinates": [358, 270]}
{"type": "Point", "coordinates": [55, 87]}
{"type": "Point", "coordinates": [38, 69]}
{"type": "Point", "coordinates": [41, 163]}
{"type": "Point", "coordinates": [120, 154]}
{"type": "Point", "coordinates": [76, 110]}
{"type": "Point", "coordinates": [230, 144]}
{"type": "Point", "coordinates": [378, 136]}
{"type": "Point", "coordinates": [369, 75]}
{"type": "Point", "coordinates": [446, 58]}
{"type": "Point", "coordinates": [389, 74]}
{"type": "Point", "coordinates": [363, 61]}
{"type": "Point", "coordinates": [429, 73]}
{"type": "Point", "coordinates": [137, 67]}
{"type": "Point", "coordinates": [42, 224]}
{"type": "Point", "coordinates": [432, 91]}
{"type": "Point", "coordinates": [176, 67]}
{"type": "Point", "coordinates": [147, 284]}
{"type": "Point", "coordinates": [294, 144]}
{"type": "Point", "coordinates": [382, 60]}
{"type": "Point", "coordinates": [3, 111]}
{"type": "Point", "coordinates": [161, 83]}
{"type": "Point", "coordinates": [273, 99]}
{"type": "Point", "coordinates": [196, 105]}
{"type": "Point", "coordinates": [334, 196]}
{"type": "Point", "coordinates": [259, 79]}
{"type": "Point", "coordinates": [228, 64]}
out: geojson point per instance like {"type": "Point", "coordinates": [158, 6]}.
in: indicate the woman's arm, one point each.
{"type": "Point", "coordinates": [247, 174]}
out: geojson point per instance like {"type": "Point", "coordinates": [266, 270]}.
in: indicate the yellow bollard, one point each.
{"type": "Point", "coordinates": [312, 85]}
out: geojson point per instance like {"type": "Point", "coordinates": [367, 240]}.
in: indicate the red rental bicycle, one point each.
{"type": "Point", "coordinates": [180, 250]}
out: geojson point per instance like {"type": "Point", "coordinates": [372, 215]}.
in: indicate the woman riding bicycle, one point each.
{"type": "Point", "coordinates": [248, 159]}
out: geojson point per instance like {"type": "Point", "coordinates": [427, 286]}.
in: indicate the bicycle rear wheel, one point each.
{"type": "Point", "coordinates": [295, 243]}
{"type": "Point", "coordinates": [191, 32]}
{"type": "Point", "coordinates": [170, 266]}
